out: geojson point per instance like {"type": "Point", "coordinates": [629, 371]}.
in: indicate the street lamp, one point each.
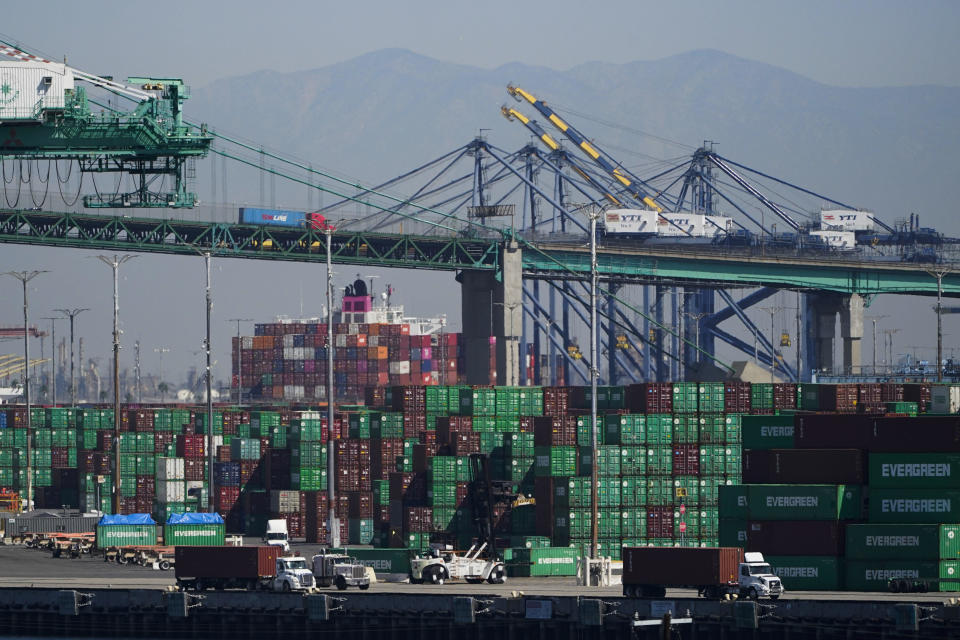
{"type": "Point", "coordinates": [114, 263]}
{"type": "Point", "coordinates": [72, 313]}
{"type": "Point", "coordinates": [874, 319]}
{"type": "Point", "coordinates": [239, 358]}
{"type": "Point", "coordinates": [773, 311]}
{"type": "Point", "coordinates": [594, 374]}
{"type": "Point", "coordinates": [24, 277]}
{"type": "Point", "coordinates": [161, 351]}
{"type": "Point", "coordinates": [939, 308]}
{"type": "Point", "coordinates": [53, 356]}
{"type": "Point", "coordinates": [333, 523]}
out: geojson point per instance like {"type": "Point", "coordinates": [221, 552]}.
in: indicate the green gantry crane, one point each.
{"type": "Point", "coordinates": [45, 114]}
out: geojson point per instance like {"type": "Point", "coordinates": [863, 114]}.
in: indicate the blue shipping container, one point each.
{"type": "Point", "coordinates": [272, 217]}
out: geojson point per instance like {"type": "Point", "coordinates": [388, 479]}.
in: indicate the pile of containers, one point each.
{"type": "Point", "coordinates": [849, 501]}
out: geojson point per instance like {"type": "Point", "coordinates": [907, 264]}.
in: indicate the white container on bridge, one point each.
{"type": "Point", "coordinates": [26, 87]}
{"type": "Point", "coordinates": [630, 221]}
{"type": "Point", "coordinates": [847, 220]}
{"type": "Point", "coordinates": [840, 240]}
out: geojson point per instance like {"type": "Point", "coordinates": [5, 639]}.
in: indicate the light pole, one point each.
{"type": "Point", "coordinates": [136, 349]}
{"type": "Point", "coordinates": [890, 333]}
{"type": "Point", "coordinates": [72, 313]}
{"type": "Point", "coordinates": [333, 526]}
{"type": "Point", "coordinates": [239, 357]}
{"type": "Point", "coordinates": [114, 263]}
{"type": "Point", "coordinates": [594, 374]}
{"type": "Point", "coordinates": [161, 351]}
{"type": "Point", "coordinates": [874, 320]}
{"type": "Point", "coordinates": [53, 356]}
{"type": "Point", "coordinates": [773, 311]}
{"type": "Point", "coordinates": [24, 277]}
{"type": "Point", "coordinates": [210, 452]}
{"type": "Point", "coordinates": [939, 276]}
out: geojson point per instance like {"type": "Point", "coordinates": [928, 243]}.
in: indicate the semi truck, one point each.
{"type": "Point", "coordinates": [339, 570]}
{"type": "Point", "coordinates": [715, 572]}
{"type": "Point", "coordinates": [251, 568]}
{"type": "Point", "coordinates": [277, 535]}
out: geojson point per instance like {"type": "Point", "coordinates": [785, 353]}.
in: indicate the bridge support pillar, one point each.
{"type": "Point", "coordinates": [493, 308]}
{"type": "Point", "coordinates": [822, 313]}
{"type": "Point", "coordinates": [851, 330]}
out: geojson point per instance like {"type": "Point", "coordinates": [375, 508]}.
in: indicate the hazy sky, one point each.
{"type": "Point", "coordinates": [846, 43]}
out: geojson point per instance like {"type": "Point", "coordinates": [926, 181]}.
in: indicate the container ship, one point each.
{"type": "Point", "coordinates": [375, 344]}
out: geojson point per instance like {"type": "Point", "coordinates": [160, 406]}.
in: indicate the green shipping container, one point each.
{"type": "Point", "coordinates": [915, 541]}
{"type": "Point", "coordinates": [803, 502]}
{"type": "Point", "coordinates": [808, 573]}
{"type": "Point", "coordinates": [875, 575]}
{"type": "Point", "coordinates": [914, 506]}
{"type": "Point", "coordinates": [543, 561]}
{"type": "Point", "coordinates": [388, 564]}
{"type": "Point", "coordinates": [732, 532]}
{"type": "Point", "coordinates": [659, 429]}
{"type": "Point", "coordinates": [207, 535]}
{"type": "Point", "coordinates": [686, 429]}
{"type": "Point", "coordinates": [124, 535]}
{"type": "Point", "coordinates": [767, 432]}
{"type": "Point", "coordinates": [914, 470]}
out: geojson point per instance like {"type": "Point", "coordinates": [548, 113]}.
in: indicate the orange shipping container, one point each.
{"type": "Point", "coordinates": [361, 339]}
{"type": "Point", "coordinates": [405, 329]}
{"type": "Point", "coordinates": [373, 329]}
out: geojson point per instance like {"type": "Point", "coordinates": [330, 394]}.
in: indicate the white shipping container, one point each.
{"type": "Point", "coordinates": [340, 340]}
{"type": "Point", "coordinates": [287, 341]}
{"type": "Point", "coordinates": [630, 221]}
{"type": "Point", "coordinates": [28, 86]}
{"type": "Point", "coordinates": [171, 491]}
{"type": "Point", "coordinates": [840, 240]}
{"type": "Point", "coordinates": [400, 368]}
{"type": "Point", "coordinates": [194, 484]}
{"type": "Point", "coordinates": [284, 501]}
{"type": "Point", "coordinates": [288, 353]}
{"type": "Point", "coordinates": [373, 341]}
{"type": "Point", "coordinates": [945, 398]}
{"type": "Point", "coordinates": [246, 342]}
{"type": "Point", "coordinates": [682, 225]}
{"type": "Point", "coordinates": [847, 220]}
{"type": "Point", "coordinates": [170, 469]}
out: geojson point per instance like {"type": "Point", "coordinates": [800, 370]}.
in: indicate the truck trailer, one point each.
{"type": "Point", "coordinates": [251, 568]}
{"type": "Point", "coordinates": [715, 572]}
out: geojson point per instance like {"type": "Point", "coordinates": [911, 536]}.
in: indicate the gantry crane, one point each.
{"type": "Point", "coordinates": [629, 182]}
{"type": "Point", "coordinates": [553, 145]}
{"type": "Point", "coordinates": [45, 115]}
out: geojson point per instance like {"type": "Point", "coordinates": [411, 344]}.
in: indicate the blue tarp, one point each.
{"type": "Point", "coordinates": [133, 518]}
{"type": "Point", "coordinates": [194, 518]}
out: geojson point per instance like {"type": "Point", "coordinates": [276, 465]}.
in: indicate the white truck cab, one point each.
{"type": "Point", "coordinates": [757, 579]}
{"type": "Point", "coordinates": [293, 574]}
{"type": "Point", "coordinates": [276, 535]}
{"type": "Point", "coordinates": [339, 570]}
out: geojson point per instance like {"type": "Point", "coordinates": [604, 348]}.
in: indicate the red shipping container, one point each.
{"type": "Point", "coordinates": [660, 522]}
{"type": "Point", "coordinates": [801, 537]}
{"type": "Point", "coordinates": [686, 460]}
{"type": "Point", "coordinates": [193, 469]}
{"type": "Point", "coordinates": [191, 446]}
{"type": "Point", "coordinates": [803, 466]}
{"type": "Point", "coordinates": [361, 504]}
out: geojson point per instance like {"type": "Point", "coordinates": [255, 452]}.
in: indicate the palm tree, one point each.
{"type": "Point", "coordinates": [162, 388]}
